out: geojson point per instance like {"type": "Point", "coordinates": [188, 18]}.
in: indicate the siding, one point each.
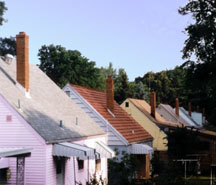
{"type": "Point", "coordinates": [50, 166]}
{"type": "Point", "coordinates": [18, 133]}
{"type": "Point", "coordinates": [82, 175]}
{"type": "Point", "coordinates": [113, 139]}
{"type": "Point", "coordinates": [69, 171]}
{"type": "Point", "coordinates": [152, 128]}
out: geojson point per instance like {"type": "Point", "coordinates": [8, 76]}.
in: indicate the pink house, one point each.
{"type": "Point", "coordinates": [45, 138]}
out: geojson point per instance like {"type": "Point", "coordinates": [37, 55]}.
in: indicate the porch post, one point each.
{"type": "Point", "coordinates": [20, 172]}
{"type": "Point", "coordinates": [147, 166]}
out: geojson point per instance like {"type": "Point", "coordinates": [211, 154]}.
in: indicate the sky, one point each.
{"type": "Point", "coordinates": [137, 35]}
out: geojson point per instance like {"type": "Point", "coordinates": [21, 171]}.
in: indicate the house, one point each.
{"type": "Point", "coordinates": [177, 115]}
{"type": "Point", "coordinates": [206, 155]}
{"type": "Point", "coordinates": [197, 117]}
{"type": "Point", "coordinates": [124, 133]}
{"type": "Point", "coordinates": [140, 110]}
{"type": "Point", "coordinates": [170, 114]}
{"type": "Point", "coordinates": [45, 138]}
{"type": "Point", "coordinates": [149, 118]}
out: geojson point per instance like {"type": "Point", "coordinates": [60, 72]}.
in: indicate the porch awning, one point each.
{"type": "Point", "coordinates": [140, 149]}
{"type": "Point", "coordinates": [67, 149]}
{"type": "Point", "coordinates": [104, 150]}
{"type": "Point", "coordinates": [14, 152]}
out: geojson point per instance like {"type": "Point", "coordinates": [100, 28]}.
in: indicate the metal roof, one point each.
{"type": "Point", "coordinates": [104, 150]}
{"type": "Point", "coordinates": [14, 152]}
{"type": "Point", "coordinates": [67, 149]}
{"type": "Point", "coordinates": [140, 149]}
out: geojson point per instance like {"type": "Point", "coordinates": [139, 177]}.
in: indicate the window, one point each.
{"type": "Point", "coordinates": [80, 164]}
{"type": "Point", "coordinates": [3, 175]}
{"type": "Point", "coordinates": [68, 93]}
{"type": "Point", "coordinates": [58, 166]}
{"type": "Point", "coordinates": [98, 165]}
{"type": "Point", "coordinates": [126, 104]}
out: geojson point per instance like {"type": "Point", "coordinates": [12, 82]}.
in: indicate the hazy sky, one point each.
{"type": "Point", "coordinates": [137, 35]}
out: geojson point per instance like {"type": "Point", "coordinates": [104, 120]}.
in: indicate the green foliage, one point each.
{"type": "Point", "coordinates": [95, 181]}
{"type": "Point", "coordinates": [3, 9]}
{"type": "Point", "coordinates": [182, 141]}
{"type": "Point", "coordinates": [105, 72]}
{"type": "Point", "coordinates": [199, 51]}
{"type": "Point", "coordinates": [168, 85]}
{"type": "Point", "coordinates": [122, 86]}
{"type": "Point", "coordinates": [68, 66]}
{"type": "Point", "coordinates": [7, 46]}
{"type": "Point", "coordinates": [121, 171]}
{"type": "Point", "coordinates": [171, 175]}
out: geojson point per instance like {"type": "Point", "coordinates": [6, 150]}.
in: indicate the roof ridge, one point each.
{"type": "Point", "coordinates": [87, 88]}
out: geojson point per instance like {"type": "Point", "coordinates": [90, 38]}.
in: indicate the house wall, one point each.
{"type": "Point", "coordinates": [89, 165]}
{"type": "Point", "coordinates": [148, 125]}
{"type": "Point", "coordinates": [18, 133]}
{"type": "Point", "coordinates": [113, 137]}
{"type": "Point", "coordinates": [50, 166]}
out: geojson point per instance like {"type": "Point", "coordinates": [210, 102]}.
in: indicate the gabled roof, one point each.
{"type": "Point", "coordinates": [144, 107]}
{"type": "Point", "coordinates": [46, 107]}
{"type": "Point", "coordinates": [172, 115]}
{"type": "Point", "coordinates": [121, 120]}
{"type": "Point", "coordinates": [183, 113]}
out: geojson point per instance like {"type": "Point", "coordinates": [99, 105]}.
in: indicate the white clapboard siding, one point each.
{"type": "Point", "coordinates": [114, 138]}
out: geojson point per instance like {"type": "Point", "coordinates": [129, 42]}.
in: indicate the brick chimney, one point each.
{"type": "Point", "coordinates": [177, 107]}
{"type": "Point", "coordinates": [110, 93]}
{"type": "Point", "coordinates": [189, 108]}
{"type": "Point", "coordinates": [153, 104]}
{"type": "Point", "coordinates": [22, 55]}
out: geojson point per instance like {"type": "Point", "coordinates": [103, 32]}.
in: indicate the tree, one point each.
{"type": "Point", "coordinates": [7, 46]}
{"type": "Point", "coordinates": [122, 86]}
{"type": "Point", "coordinates": [168, 85]}
{"type": "Point", "coordinates": [104, 72]}
{"type": "Point", "coordinates": [68, 66]}
{"type": "Point", "coordinates": [3, 9]}
{"type": "Point", "coordinates": [199, 52]}
{"type": "Point", "coordinates": [122, 169]}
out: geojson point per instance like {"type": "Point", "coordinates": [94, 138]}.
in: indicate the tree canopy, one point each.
{"type": "Point", "coordinates": [3, 9]}
{"type": "Point", "coordinates": [68, 66]}
{"type": "Point", "coordinates": [167, 84]}
{"type": "Point", "coordinates": [199, 53]}
{"type": "Point", "coordinates": [7, 46]}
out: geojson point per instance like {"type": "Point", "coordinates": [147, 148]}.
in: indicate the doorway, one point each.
{"type": "Point", "coordinates": [60, 170]}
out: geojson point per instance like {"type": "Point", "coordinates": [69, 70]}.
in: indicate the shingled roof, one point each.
{"type": "Point", "coordinates": [144, 107]}
{"type": "Point", "coordinates": [47, 105]}
{"type": "Point", "coordinates": [172, 115]}
{"type": "Point", "coordinates": [121, 120]}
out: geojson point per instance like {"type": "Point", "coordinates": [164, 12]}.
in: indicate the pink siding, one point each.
{"type": "Point", "coordinates": [18, 133]}
{"type": "Point", "coordinates": [69, 172]}
{"type": "Point", "coordinates": [82, 175]}
{"type": "Point", "coordinates": [50, 166]}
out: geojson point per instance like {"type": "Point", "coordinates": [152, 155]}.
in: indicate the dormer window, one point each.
{"type": "Point", "coordinates": [126, 104]}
